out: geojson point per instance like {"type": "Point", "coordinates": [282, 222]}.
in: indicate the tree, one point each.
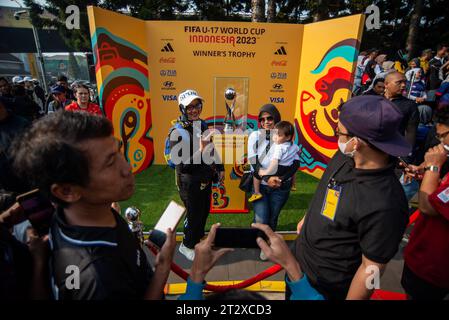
{"type": "Point", "coordinates": [258, 10]}
{"type": "Point", "coordinates": [413, 28]}
{"type": "Point", "coordinates": [73, 69]}
{"type": "Point", "coordinates": [271, 12]}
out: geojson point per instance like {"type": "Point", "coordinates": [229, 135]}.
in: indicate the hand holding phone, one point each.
{"type": "Point", "coordinates": [169, 220]}
{"type": "Point", "coordinates": [38, 210]}
{"type": "Point", "coordinates": [238, 237]}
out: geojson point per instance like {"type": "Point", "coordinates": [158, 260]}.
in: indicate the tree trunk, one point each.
{"type": "Point", "coordinates": [321, 12]}
{"type": "Point", "coordinates": [413, 29]}
{"type": "Point", "coordinates": [257, 10]}
{"type": "Point", "coordinates": [271, 12]}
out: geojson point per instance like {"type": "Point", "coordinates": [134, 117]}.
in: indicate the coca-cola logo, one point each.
{"type": "Point", "coordinates": [167, 60]}
{"type": "Point", "coordinates": [281, 63]}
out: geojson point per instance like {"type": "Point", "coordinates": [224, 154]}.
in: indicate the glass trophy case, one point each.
{"type": "Point", "coordinates": [230, 140]}
{"type": "Point", "coordinates": [230, 104]}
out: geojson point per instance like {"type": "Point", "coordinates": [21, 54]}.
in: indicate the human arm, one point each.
{"type": "Point", "coordinates": [164, 259]}
{"type": "Point", "coordinates": [435, 156]}
{"type": "Point", "coordinates": [204, 261]}
{"type": "Point", "coordinates": [277, 251]}
{"type": "Point", "coordinates": [39, 249]}
{"type": "Point", "coordinates": [271, 168]}
{"type": "Point", "coordinates": [361, 287]}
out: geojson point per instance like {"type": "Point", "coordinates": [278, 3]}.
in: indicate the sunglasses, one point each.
{"type": "Point", "coordinates": [192, 107]}
{"type": "Point", "coordinates": [441, 136]}
{"type": "Point", "coordinates": [338, 133]}
{"type": "Point", "coordinates": [270, 118]}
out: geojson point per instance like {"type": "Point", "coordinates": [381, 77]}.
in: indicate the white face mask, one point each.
{"type": "Point", "coordinates": [343, 145]}
{"type": "Point", "coordinates": [446, 147]}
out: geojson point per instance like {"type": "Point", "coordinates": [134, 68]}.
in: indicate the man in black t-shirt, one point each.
{"type": "Point", "coordinates": [395, 83]}
{"type": "Point", "coordinates": [74, 159]}
{"type": "Point", "coordinates": [358, 215]}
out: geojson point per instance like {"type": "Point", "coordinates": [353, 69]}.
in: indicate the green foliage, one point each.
{"type": "Point", "coordinates": [394, 16]}
{"type": "Point", "coordinates": [155, 188]}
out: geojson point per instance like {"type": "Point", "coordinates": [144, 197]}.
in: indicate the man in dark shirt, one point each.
{"type": "Point", "coordinates": [435, 65]}
{"type": "Point", "coordinates": [358, 214]}
{"type": "Point", "coordinates": [74, 159]}
{"type": "Point", "coordinates": [11, 126]}
{"type": "Point", "coordinates": [395, 84]}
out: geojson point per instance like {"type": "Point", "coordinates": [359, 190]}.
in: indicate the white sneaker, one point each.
{"type": "Point", "coordinates": [262, 256]}
{"type": "Point", "coordinates": [186, 252]}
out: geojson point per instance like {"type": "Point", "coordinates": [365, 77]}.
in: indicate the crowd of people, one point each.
{"type": "Point", "coordinates": [393, 144]}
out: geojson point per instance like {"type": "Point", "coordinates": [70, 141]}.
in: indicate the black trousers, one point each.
{"type": "Point", "coordinates": [196, 197]}
{"type": "Point", "coordinates": [419, 289]}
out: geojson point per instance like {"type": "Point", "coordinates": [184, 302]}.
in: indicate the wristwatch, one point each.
{"type": "Point", "coordinates": [432, 168]}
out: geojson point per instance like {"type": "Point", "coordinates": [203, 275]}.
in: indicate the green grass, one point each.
{"type": "Point", "coordinates": [155, 187]}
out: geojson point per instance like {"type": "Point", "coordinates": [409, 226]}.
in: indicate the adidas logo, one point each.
{"type": "Point", "coordinates": [281, 51]}
{"type": "Point", "coordinates": [167, 48]}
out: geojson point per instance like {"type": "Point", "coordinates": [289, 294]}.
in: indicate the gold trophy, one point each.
{"type": "Point", "coordinates": [229, 121]}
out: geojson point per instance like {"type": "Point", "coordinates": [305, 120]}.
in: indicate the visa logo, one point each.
{"type": "Point", "coordinates": [167, 97]}
{"type": "Point", "coordinates": [276, 100]}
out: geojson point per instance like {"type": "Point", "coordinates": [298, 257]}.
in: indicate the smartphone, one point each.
{"type": "Point", "coordinates": [169, 219]}
{"type": "Point", "coordinates": [238, 237]}
{"type": "Point", "coordinates": [38, 210]}
{"type": "Point", "coordinates": [404, 162]}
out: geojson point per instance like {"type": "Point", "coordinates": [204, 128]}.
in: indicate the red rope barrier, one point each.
{"type": "Point", "coordinates": [246, 283]}
{"type": "Point", "coordinates": [243, 284]}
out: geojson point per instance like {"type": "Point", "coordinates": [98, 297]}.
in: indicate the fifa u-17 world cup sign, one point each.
{"type": "Point", "coordinates": [304, 70]}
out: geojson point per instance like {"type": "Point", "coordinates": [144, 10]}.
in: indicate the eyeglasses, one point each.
{"type": "Point", "coordinates": [338, 133]}
{"type": "Point", "coordinates": [269, 118]}
{"type": "Point", "coordinates": [191, 107]}
{"type": "Point", "coordinates": [441, 136]}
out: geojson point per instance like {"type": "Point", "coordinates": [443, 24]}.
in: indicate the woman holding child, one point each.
{"type": "Point", "coordinates": [274, 161]}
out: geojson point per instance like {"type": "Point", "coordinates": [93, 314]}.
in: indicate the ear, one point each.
{"type": "Point", "coordinates": [66, 192]}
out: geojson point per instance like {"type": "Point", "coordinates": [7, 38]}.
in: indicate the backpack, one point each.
{"type": "Point", "coordinates": [185, 135]}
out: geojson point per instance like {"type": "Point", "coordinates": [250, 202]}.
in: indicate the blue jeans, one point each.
{"type": "Point", "coordinates": [267, 209]}
{"type": "Point", "coordinates": [410, 188]}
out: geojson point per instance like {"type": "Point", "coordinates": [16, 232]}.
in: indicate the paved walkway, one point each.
{"type": "Point", "coordinates": [242, 264]}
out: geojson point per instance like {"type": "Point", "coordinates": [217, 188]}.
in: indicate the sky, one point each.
{"type": "Point", "coordinates": [15, 3]}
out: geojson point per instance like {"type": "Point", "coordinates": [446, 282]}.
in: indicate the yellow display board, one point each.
{"type": "Point", "coordinates": [304, 70]}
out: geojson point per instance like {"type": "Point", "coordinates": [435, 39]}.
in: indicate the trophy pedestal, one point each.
{"type": "Point", "coordinates": [227, 196]}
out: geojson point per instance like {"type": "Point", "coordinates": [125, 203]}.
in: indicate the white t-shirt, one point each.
{"type": "Point", "coordinates": [285, 153]}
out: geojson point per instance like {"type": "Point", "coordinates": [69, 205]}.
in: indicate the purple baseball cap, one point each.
{"type": "Point", "coordinates": [375, 120]}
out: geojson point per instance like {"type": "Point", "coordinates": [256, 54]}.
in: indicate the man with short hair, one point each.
{"type": "Point", "coordinates": [5, 88]}
{"type": "Point", "coordinates": [377, 89]}
{"type": "Point", "coordinates": [357, 217]}
{"type": "Point", "coordinates": [435, 65]}
{"type": "Point", "coordinates": [59, 99]}
{"type": "Point", "coordinates": [395, 84]}
{"type": "Point", "coordinates": [74, 159]}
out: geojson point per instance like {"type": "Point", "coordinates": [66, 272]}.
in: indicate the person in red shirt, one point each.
{"type": "Point", "coordinates": [82, 102]}
{"type": "Point", "coordinates": [426, 268]}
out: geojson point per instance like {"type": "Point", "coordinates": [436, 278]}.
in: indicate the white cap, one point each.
{"type": "Point", "coordinates": [17, 79]}
{"type": "Point", "coordinates": [27, 79]}
{"type": "Point", "coordinates": [187, 96]}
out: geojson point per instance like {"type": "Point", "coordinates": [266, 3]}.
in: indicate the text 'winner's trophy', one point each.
{"type": "Point", "coordinates": [133, 215]}
{"type": "Point", "coordinates": [229, 121]}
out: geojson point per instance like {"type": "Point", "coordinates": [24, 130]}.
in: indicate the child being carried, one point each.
{"type": "Point", "coordinates": [278, 159]}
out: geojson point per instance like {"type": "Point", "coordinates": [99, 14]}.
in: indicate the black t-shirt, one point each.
{"type": "Point", "coordinates": [409, 111]}
{"type": "Point", "coordinates": [370, 219]}
{"type": "Point", "coordinates": [112, 264]}
{"type": "Point", "coordinates": [15, 267]}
